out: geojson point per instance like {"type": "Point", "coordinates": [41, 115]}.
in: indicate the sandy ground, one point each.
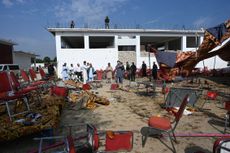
{"type": "Point", "coordinates": [131, 110]}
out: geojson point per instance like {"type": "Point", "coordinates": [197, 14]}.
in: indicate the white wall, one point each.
{"type": "Point", "coordinates": [23, 60]}
{"type": "Point", "coordinates": [98, 57]}
{"type": "Point", "coordinates": [184, 41]}
{"type": "Point", "coordinates": [146, 59]}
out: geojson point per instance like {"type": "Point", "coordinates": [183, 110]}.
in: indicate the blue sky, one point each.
{"type": "Point", "coordinates": [25, 21]}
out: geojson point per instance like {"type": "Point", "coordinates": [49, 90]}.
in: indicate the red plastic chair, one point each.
{"type": "Point", "coordinates": [160, 125]}
{"type": "Point", "coordinates": [114, 86]}
{"type": "Point", "coordinates": [26, 78]}
{"type": "Point", "coordinates": [210, 95]}
{"type": "Point", "coordinates": [24, 89]}
{"type": "Point", "coordinates": [119, 141]}
{"type": "Point", "coordinates": [45, 77]}
{"type": "Point", "coordinates": [221, 145]}
{"type": "Point", "coordinates": [33, 74]}
{"type": "Point", "coordinates": [114, 140]}
{"type": "Point", "coordinates": [42, 73]}
{"type": "Point", "coordinates": [8, 95]}
{"type": "Point", "coordinates": [59, 91]}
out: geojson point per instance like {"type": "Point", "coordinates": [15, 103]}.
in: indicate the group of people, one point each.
{"type": "Point", "coordinates": [131, 71]}
{"type": "Point", "coordinates": [83, 73]}
{"type": "Point", "coordinates": [86, 72]}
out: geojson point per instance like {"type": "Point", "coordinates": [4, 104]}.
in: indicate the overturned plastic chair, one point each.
{"type": "Point", "coordinates": [210, 95]}
{"type": "Point", "coordinates": [176, 94]}
{"type": "Point", "coordinates": [113, 141]}
{"type": "Point", "coordinates": [160, 125]}
{"type": "Point", "coordinates": [222, 145]}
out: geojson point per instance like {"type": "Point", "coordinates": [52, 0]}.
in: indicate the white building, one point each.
{"type": "Point", "coordinates": [100, 46]}
{"type": "Point", "coordinates": [23, 59]}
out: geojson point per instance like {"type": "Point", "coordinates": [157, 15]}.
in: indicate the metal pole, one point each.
{"type": "Point", "coordinates": [214, 65]}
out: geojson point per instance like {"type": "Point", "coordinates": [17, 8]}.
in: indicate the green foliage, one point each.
{"type": "Point", "coordinates": [46, 59]}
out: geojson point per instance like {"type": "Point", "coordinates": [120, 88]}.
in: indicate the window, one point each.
{"type": "Point", "coordinates": [101, 42]}
{"type": "Point", "coordinates": [192, 42]}
{"type": "Point", "coordinates": [72, 42]}
{"type": "Point", "coordinates": [126, 48]}
{"type": "Point", "coordinates": [13, 67]}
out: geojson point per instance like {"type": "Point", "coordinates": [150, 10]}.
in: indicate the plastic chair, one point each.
{"type": "Point", "coordinates": [26, 78]}
{"type": "Point", "coordinates": [210, 95]}
{"type": "Point", "coordinates": [46, 77]}
{"type": "Point", "coordinates": [113, 141]}
{"type": "Point", "coordinates": [24, 89]}
{"type": "Point", "coordinates": [8, 95]}
{"type": "Point", "coordinates": [33, 75]}
{"type": "Point", "coordinates": [221, 145]}
{"type": "Point", "coordinates": [160, 125]}
{"type": "Point", "coordinates": [175, 96]}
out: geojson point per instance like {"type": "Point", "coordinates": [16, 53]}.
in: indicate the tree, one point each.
{"type": "Point", "coordinates": [55, 59]}
{"type": "Point", "coordinates": [39, 60]}
{"type": "Point", "coordinates": [46, 59]}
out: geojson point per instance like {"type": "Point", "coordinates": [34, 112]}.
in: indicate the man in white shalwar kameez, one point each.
{"type": "Point", "coordinates": [84, 69]}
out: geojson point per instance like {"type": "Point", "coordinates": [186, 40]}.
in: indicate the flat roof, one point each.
{"type": "Point", "coordinates": [27, 53]}
{"type": "Point", "coordinates": [88, 30]}
{"type": "Point", "coordinates": [7, 42]}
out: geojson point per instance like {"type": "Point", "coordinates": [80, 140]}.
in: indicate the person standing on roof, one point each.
{"type": "Point", "coordinates": [72, 24]}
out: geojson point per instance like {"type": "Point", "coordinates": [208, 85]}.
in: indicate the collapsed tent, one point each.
{"type": "Point", "coordinates": [216, 42]}
{"type": "Point", "coordinates": [214, 38]}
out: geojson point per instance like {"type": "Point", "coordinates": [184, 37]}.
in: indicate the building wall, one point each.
{"type": "Point", "coordinates": [98, 57]}
{"type": "Point", "coordinates": [127, 56]}
{"type": "Point", "coordinates": [23, 60]}
{"type": "Point", "coordinates": [6, 54]}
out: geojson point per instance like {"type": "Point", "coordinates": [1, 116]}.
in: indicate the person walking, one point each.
{"type": "Point", "coordinates": [154, 71]}
{"type": "Point", "coordinates": [119, 72]}
{"type": "Point", "coordinates": [133, 70]}
{"type": "Point", "coordinates": [109, 73]}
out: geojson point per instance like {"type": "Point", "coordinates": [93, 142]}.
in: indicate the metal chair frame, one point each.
{"type": "Point", "coordinates": [158, 132]}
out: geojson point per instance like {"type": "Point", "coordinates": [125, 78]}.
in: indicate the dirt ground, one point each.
{"type": "Point", "coordinates": [130, 110]}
